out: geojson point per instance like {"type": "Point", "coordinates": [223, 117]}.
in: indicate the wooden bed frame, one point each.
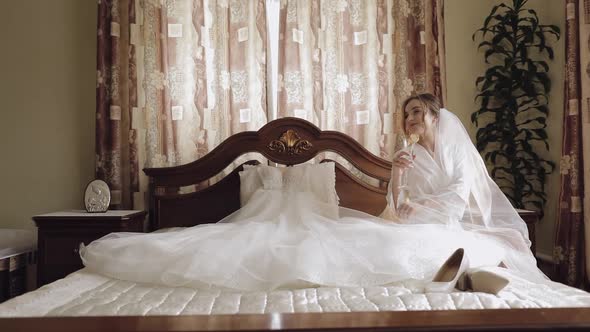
{"type": "Point", "coordinates": [291, 141]}
{"type": "Point", "coordinates": [288, 141]}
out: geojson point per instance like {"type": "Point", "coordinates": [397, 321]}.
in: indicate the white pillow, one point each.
{"type": "Point", "coordinates": [271, 177]}
{"type": "Point", "coordinates": [320, 179]}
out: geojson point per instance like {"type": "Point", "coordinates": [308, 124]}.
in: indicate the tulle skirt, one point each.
{"type": "Point", "coordinates": [286, 240]}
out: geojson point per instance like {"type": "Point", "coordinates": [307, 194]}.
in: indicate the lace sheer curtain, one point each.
{"type": "Point", "coordinates": [572, 246]}
{"type": "Point", "coordinates": [348, 65]}
{"type": "Point", "coordinates": [175, 78]}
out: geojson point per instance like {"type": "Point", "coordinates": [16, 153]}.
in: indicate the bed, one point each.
{"type": "Point", "coordinates": [85, 301]}
{"type": "Point", "coordinates": [17, 258]}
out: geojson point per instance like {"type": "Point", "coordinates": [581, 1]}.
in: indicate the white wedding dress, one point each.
{"type": "Point", "coordinates": [285, 236]}
{"type": "Point", "coordinates": [290, 231]}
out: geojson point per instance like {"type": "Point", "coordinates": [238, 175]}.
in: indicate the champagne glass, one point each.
{"type": "Point", "coordinates": [406, 144]}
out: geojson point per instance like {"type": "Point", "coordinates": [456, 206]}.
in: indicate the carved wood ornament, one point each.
{"type": "Point", "coordinates": [290, 143]}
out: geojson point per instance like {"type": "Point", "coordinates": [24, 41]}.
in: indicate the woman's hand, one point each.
{"type": "Point", "coordinates": [405, 211]}
{"type": "Point", "coordinates": [402, 160]}
{"type": "Point", "coordinates": [389, 214]}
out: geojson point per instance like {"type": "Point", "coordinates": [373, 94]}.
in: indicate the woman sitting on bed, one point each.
{"type": "Point", "coordinates": [291, 233]}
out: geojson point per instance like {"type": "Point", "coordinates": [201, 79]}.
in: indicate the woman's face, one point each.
{"type": "Point", "coordinates": [418, 119]}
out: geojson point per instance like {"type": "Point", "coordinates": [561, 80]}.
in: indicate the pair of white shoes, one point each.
{"type": "Point", "coordinates": [455, 273]}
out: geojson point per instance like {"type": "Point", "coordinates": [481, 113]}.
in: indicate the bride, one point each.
{"type": "Point", "coordinates": [290, 232]}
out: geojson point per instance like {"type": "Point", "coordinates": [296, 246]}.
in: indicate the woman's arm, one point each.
{"type": "Point", "coordinates": [401, 162]}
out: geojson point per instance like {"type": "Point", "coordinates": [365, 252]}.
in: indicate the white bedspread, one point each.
{"type": "Point", "coordinates": [87, 294]}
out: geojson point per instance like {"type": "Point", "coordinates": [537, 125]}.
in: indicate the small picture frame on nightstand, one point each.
{"type": "Point", "coordinates": [97, 196]}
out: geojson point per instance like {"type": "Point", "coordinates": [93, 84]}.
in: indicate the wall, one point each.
{"type": "Point", "coordinates": [47, 87]}
{"type": "Point", "coordinates": [465, 63]}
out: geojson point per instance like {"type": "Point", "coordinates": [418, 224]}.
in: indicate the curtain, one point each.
{"type": "Point", "coordinates": [177, 77]}
{"type": "Point", "coordinates": [573, 224]}
{"type": "Point", "coordinates": [348, 65]}
{"type": "Point", "coordinates": [174, 79]}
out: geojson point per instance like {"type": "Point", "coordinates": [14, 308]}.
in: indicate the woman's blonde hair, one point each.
{"type": "Point", "coordinates": [429, 101]}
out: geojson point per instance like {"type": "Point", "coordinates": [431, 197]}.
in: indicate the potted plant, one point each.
{"type": "Point", "coordinates": [513, 99]}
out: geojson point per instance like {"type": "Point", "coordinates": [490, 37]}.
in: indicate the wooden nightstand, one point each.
{"type": "Point", "coordinates": [530, 218]}
{"type": "Point", "coordinates": [60, 235]}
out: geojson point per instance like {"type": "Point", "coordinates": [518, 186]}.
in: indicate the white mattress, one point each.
{"type": "Point", "coordinates": [87, 294]}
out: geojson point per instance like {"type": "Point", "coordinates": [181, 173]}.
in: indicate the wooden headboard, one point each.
{"type": "Point", "coordinates": [287, 141]}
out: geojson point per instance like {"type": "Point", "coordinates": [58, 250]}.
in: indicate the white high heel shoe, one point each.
{"type": "Point", "coordinates": [450, 272]}
{"type": "Point", "coordinates": [478, 280]}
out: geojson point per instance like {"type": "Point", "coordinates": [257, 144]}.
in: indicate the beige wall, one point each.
{"type": "Point", "coordinates": [47, 86]}
{"type": "Point", "coordinates": [465, 63]}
